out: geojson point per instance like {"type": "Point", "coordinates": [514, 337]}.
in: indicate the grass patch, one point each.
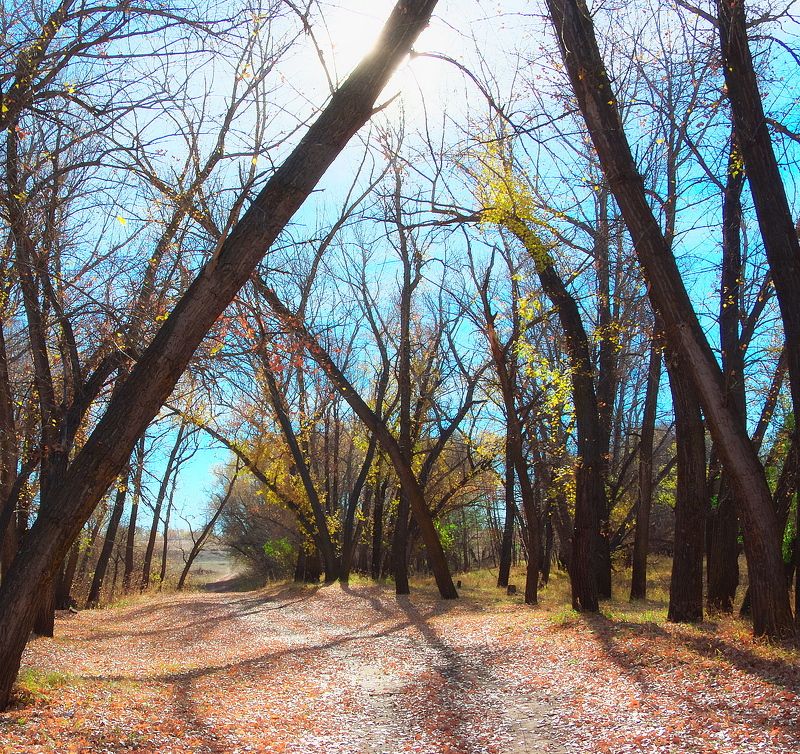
{"type": "Point", "coordinates": [564, 616]}
{"type": "Point", "coordinates": [34, 684]}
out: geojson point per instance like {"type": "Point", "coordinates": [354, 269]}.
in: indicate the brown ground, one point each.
{"type": "Point", "coordinates": [329, 670]}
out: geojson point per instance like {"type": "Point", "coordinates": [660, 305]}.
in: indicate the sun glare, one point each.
{"type": "Point", "coordinates": [352, 29]}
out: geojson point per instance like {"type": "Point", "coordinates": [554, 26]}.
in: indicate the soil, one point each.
{"type": "Point", "coordinates": [358, 670]}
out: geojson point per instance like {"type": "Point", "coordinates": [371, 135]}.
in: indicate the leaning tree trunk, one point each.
{"type": "Point", "coordinates": [772, 614]}
{"type": "Point", "coordinates": [590, 571]}
{"type": "Point", "coordinates": [158, 369]}
{"type": "Point", "coordinates": [764, 177]}
{"type": "Point", "coordinates": [590, 562]}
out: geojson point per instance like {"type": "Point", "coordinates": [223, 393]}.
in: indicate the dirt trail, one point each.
{"type": "Point", "coordinates": [357, 670]}
{"type": "Point", "coordinates": [297, 670]}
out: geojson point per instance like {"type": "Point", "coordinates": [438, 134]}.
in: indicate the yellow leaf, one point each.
{"type": "Point", "coordinates": [121, 220]}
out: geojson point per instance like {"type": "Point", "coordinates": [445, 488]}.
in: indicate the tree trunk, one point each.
{"type": "Point", "coordinates": [66, 577]}
{"type": "Point", "coordinates": [797, 567]}
{"type": "Point", "coordinates": [110, 539]}
{"type": "Point", "coordinates": [686, 585]}
{"type": "Point", "coordinates": [8, 463]}
{"type": "Point", "coordinates": [508, 523]}
{"type": "Point", "coordinates": [157, 508]}
{"type": "Point", "coordinates": [130, 539]}
{"type": "Point", "coordinates": [722, 551]}
{"type": "Point", "coordinates": [766, 184]}
{"type": "Point", "coordinates": [723, 525]}
{"type": "Point", "coordinates": [45, 622]}
{"type": "Point", "coordinates": [641, 542]}
{"type": "Point", "coordinates": [313, 567]}
{"type": "Point", "coordinates": [377, 532]}
{"type": "Point", "coordinates": [771, 612]}
{"type": "Point", "coordinates": [400, 546]}
{"type": "Point", "coordinates": [162, 574]}
{"type": "Point", "coordinates": [591, 555]}
{"type": "Point", "coordinates": [83, 568]}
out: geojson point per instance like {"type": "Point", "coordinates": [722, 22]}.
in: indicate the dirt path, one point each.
{"type": "Point", "coordinates": [359, 671]}
{"type": "Point", "coordinates": [297, 670]}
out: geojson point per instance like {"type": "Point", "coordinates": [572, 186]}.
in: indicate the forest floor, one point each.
{"type": "Point", "coordinates": [331, 669]}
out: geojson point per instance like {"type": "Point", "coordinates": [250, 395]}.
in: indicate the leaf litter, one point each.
{"type": "Point", "coordinates": [356, 670]}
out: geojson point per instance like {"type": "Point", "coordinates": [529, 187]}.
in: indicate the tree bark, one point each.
{"type": "Point", "coordinates": [723, 525]}
{"type": "Point", "coordinates": [158, 506]}
{"type": "Point", "coordinates": [641, 542]}
{"type": "Point", "coordinates": [110, 539]}
{"type": "Point", "coordinates": [159, 367]}
{"type": "Point", "coordinates": [764, 177]}
{"type": "Point", "coordinates": [504, 570]}
{"type": "Point", "coordinates": [66, 577]}
{"type": "Point", "coordinates": [130, 539]}
{"type": "Point", "coordinates": [573, 26]}
{"type": "Point", "coordinates": [686, 584]}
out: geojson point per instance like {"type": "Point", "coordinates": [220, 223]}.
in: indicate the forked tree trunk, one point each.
{"type": "Point", "coordinates": [590, 563]}
{"type": "Point", "coordinates": [573, 27]}
{"type": "Point", "coordinates": [158, 369]}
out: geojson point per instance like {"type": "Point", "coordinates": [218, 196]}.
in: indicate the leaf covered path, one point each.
{"type": "Point", "coordinates": [358, 670]}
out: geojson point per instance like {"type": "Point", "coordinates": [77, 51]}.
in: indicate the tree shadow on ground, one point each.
{"type": "Point", "coordinates": [614, 637]}
{"type": "Point", "coordinates": [210, 612]}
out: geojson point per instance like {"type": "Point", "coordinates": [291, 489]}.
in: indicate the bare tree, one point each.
{"type": "Point", "coordinates": [139, 396]}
